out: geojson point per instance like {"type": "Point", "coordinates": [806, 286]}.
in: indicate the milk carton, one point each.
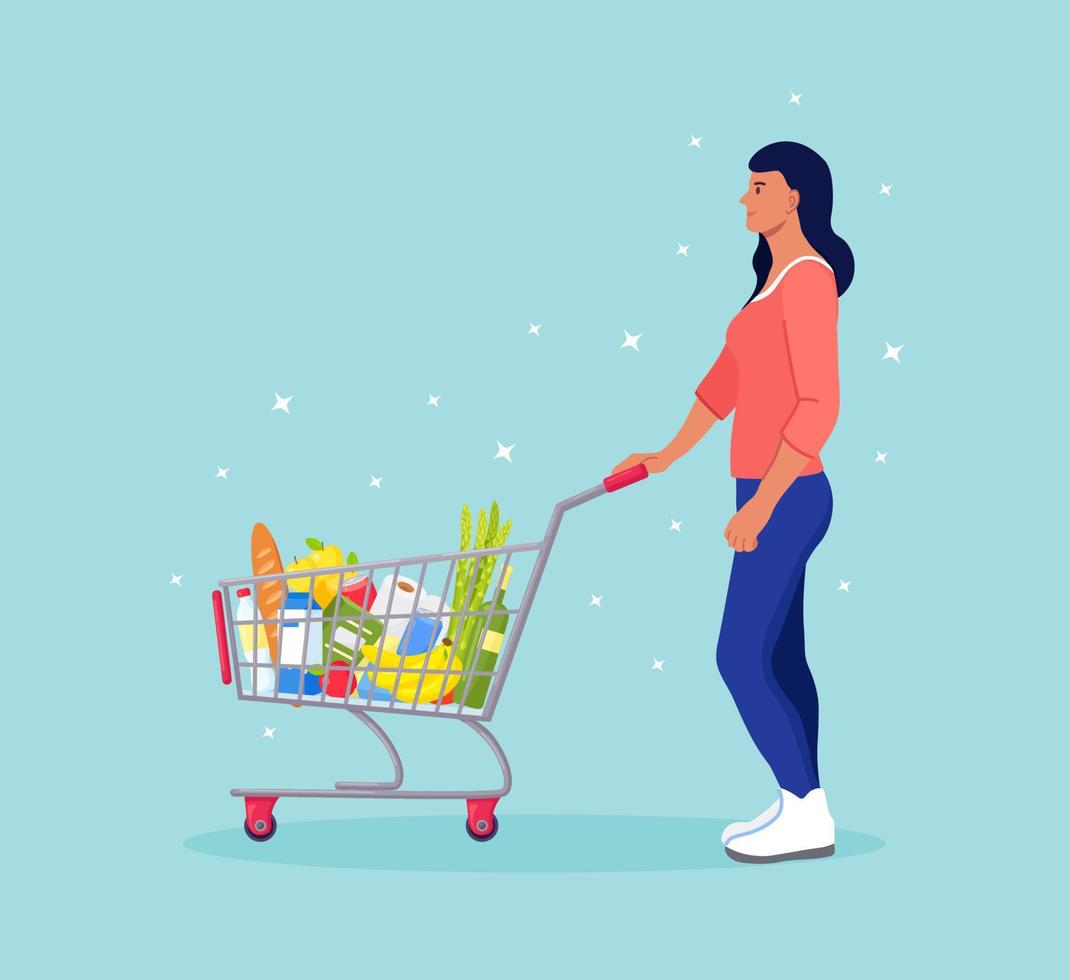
{"type": "Point", "coordinates": [297, 626]}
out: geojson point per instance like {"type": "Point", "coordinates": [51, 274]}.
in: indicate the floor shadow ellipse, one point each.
{"type": "Point", "coordinates": [535, 843]}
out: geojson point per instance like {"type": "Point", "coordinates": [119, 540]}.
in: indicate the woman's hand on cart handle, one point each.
{"type": "Point", "coordinates": [619, 479]}
{"type": "Point", "coordinates": [654, 462]}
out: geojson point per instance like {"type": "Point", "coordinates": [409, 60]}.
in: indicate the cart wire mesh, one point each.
{"type": "Point", "coordinates": [393, 672]}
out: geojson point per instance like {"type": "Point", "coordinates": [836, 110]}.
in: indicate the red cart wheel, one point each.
{"type": "Point", "coordinates": [260, 822]}
{"type": "Point", "coordinates": [482, 835]}
{"type": "Point", "coordinates": [261, 833]}
{"type": "Point", "coordinates": [481, 823]}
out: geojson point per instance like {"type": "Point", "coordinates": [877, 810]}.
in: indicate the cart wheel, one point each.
{"type": "Point", "coordinates": [263, 835]}
{"type": "Point", "coordinates": [481, 823]}
{"type": "Point", "coordinates": [481, 833]}
{"type": "Point", "coordinates": [259, 820]}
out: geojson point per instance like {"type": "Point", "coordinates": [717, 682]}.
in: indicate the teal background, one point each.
{"type": "Point", "coordinates": [205, 203]}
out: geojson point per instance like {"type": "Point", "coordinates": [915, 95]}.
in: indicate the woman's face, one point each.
{"type": "Point", "coordinates": [768, 201]}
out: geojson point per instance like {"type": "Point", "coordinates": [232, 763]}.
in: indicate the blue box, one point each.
{"type": "Point", "coordinates": [289, 678]}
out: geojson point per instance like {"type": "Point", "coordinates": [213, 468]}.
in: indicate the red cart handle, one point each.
{"type": "Point", "coordinates": [220, 636]}
{"type": "Point", "coordinates": [626, 477]}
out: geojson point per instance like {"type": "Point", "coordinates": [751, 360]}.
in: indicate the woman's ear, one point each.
{"type": "Point", "coordinates": [793, 199]}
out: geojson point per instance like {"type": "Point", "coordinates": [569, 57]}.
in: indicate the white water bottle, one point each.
{"type": "Point", "coordinates": [265, 676]}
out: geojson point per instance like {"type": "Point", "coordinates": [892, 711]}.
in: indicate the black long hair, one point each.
{"type": "Point", "coordinates": [806, 171]}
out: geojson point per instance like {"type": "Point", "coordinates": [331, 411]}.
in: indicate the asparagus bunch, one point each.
{"type": "Point", "coordinates": [463, 576]}
{"type": "Point", "coordinates": [489, 533]}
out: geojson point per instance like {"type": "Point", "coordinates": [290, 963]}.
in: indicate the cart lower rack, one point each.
{"type": "Point", "coordinates": [379, 656]}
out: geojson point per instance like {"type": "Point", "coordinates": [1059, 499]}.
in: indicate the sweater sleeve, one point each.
{"type": "Point", "coordinates": [719, 389]}
{"type": "Point", "coordinates": [810, 323]}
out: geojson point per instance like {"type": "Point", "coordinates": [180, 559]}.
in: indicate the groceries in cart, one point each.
{"type": "Point", "coordinates": [290, 682]}
{"type": "Point", "coordinates": [473, 688]}
{"type": "Point", "coordinates": [417, 678]}
{"type": "Point", "coordinates": [320, 556]}
{"type": "Point", "coordinates": [410, 613]}
{"type": "Point", "coordinates": [408, 645]}
{"type": "Point", "coordinates": [266, 561]}
{"type": "Point", "coordinates": [301, 633]}
{"type": "Point", "coordinates": [472, 582]}
{"type": "Point", "coordinates": [260, 679]}
{"type": "Point", "coordinates": [349, 633]}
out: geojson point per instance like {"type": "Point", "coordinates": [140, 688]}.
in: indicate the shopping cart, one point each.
{"type": "Point", "coordinates": [375, 678]}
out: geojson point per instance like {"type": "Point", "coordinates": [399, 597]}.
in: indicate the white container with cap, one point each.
{"type": "Point", "coordinates": [265, 676]}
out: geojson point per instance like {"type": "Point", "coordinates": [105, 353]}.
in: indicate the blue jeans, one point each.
{"type": "Point", "coordinates": [761, 650]}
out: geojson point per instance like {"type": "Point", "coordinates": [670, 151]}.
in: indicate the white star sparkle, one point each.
{"type": "Point", "coordinates": [695, 141]}
{"type": "Point", "coordinates": [281, 404]}
{"type": "Point", "coordinates": [221, 472]}
{"type": "Point", "coordinates": [630, 340]}
{"type": "Point", "coordinates": [885, 189]}
{"type": "Point", "coordinates": [595, 600]}
{"type": "Point", "coordinates": [795, 99]}
{"type": "Point", "coordinates": [892, 352]}
{"type": "Point", "coordinates": [676, 526]}
{"type": "Point", "coordinates": [268, 732]}
{"type": "Point", "coordinates": [682, 249]}
{"type": "Point", "coordinates": [175, 580]}
{"type": "Point", "coordinates": [535, 327]}
{"type": "Point", "coordinates": [880, 457]}
{"type": "Point", "coordinates": [433, 399]}
{"type": "Point", "coordinates": [376, 481]}
{"type": "Point", "coordinates": [658, 665]}
{"type": "Point", "coordinates": [843, 586]}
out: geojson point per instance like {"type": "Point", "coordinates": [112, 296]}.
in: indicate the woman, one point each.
{"type": "Point", "coordinates": [779, 371]}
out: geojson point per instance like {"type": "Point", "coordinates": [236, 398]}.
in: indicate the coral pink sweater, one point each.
{"type": "Point", "coordinates": [779, 370]}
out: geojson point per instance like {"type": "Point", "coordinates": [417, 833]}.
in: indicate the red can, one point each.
{"type": "Point", "coordinates": [360, 591]}
{"type": "Point", "coordinates": [337, 677]}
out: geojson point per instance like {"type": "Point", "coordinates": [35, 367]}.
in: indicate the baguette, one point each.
{"type": "Point", "coordinates": [269, 595]}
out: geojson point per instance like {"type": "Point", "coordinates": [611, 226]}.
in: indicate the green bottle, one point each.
{"type": "Point", "coordinates": [471, 691]}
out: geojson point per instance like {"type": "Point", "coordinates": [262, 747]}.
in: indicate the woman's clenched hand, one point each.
{"type": "Point", "coordinates": [748, 522]}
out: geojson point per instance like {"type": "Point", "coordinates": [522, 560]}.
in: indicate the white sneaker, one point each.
{"type": "Point", "coordinates": [803, 828]}
{"type": "Point", "coordinates": [745, 826]}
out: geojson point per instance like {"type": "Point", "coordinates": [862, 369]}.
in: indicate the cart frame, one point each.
{"type": "Point", "coordinates": [482, 824]}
